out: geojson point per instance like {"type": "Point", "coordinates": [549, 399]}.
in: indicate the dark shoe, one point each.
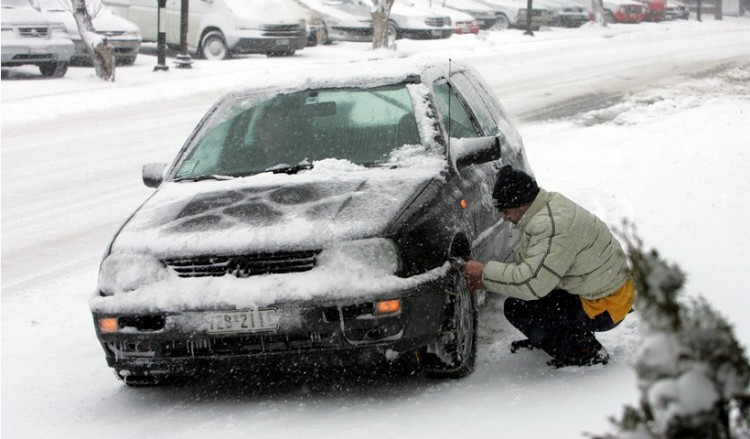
{"type": "Point", "coordinates": [600, 356]}
{"type": "Point", "coordinates": [515, 346]}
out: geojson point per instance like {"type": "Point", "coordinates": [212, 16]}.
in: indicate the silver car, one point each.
{"type": "Point", "coordinates": [338, 20]}
{"type": "Point", "coordinates": [123, 35]}
{"type": "Point", "coordinates": [28, 38]}
{"type": "Point", "coordinates": [564, 13]}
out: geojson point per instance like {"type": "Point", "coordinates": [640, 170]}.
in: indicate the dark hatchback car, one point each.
{"type": "Point", "coordinates": [314, 224]}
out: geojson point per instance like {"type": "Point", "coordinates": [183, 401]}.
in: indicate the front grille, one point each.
{"type": "Point", "coordinates": [247, 344]}
{"type": "Point", "coordinates": [281, 30]}
{"type": "Point", "coordinates": [535, 13]}
{"type": "Point", "coordinates": [244, 265]}
{"type": "Point", "coordinates": [35, 57]}
{"type": "Point", "coordinates": [435, 21]}
{"type": "Point", "coordinates": [33, 31]}
{"type": "Point", "coordinates": [111, 33]}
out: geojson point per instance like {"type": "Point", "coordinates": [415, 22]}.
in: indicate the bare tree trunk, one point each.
{"type": "Point", "coordinates": [718, 10]}
{"type": "Point", "coordinates": [380, 15]}
{"type": "Point", "coordinates": [598, 7]}
{"type": "Point", "coordinates": [102, 53]}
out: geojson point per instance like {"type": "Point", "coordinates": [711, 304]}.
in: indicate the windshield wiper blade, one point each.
{"type": "Point", "coordinates": [283, 168]}
{"type": "Point", "coordinates": [205, 177]}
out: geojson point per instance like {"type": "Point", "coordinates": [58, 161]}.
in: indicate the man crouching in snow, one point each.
{"type": "Point", "coordinates": [568, 278]}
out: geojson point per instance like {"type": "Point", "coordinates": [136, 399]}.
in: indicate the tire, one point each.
{"type": "Point", "coordinates": [391, 32]}
{"type": "Point", "coordinates": [281, 53]}
{"type": "Point", "coordinates": [323, 36]}
{"type": "Point", "coordinates": [502, 23]}
{"type": "Point", "coordinates": [129, 61]}
{"type": "Point", "coordinates": [454, 354]}
{"type": "Point", "coordinates": [214, 46]}
{"type": "Point", "coordinates": [609, 17]}
{"type": "Point", "coordinates": [133, 380]}
{"type": "Point", "coordinates": [53, 69]}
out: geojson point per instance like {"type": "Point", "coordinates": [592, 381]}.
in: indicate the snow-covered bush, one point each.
{"type": "Point", "coordinates": [692, 373]}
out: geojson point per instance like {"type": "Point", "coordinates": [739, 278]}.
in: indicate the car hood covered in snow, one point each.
{"type": "Point", "coordinates": [268, 212]}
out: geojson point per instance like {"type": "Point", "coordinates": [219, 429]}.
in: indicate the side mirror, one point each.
{"type": "Point", "coordinates": [476, 150]}
{"type": "Point", "coordinates": [153, 174]}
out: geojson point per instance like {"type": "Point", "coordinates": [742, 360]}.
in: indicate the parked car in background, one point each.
{"type": "Point", "coordinates": [218, 29]}
{"type": "Point", "coordinates": [483, 14]}
{"type": "Point", "coordinates": [312, 222]}
{"type": "Point", "coordinates": [410, 21]}
{"type": "Point", "coordinates": [676, 10]}
{"type": "Point", "coordinates": [29, 38]}
{"type": "Point", "coordinates": [564, 13]}
{"type": "Point", "coordinates": [624, 11]}
{"type": "Point", "coordinates": [338, 20]}
{"type": "Point", "coordinates": [462, 22]}
{"type": "Point", "coordinates": [655, 9]}
{"type": "Point", "coordinates": [619, 11]}
{"type": "Point", "coordinates": [512, 14]}
{"type": "Point", "coordinates": [122, 35]}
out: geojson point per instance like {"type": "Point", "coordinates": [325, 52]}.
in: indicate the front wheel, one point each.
{"type": "Point", "coordinates": [54, 69]}
{"type": "Point", "coordinates": [391, 32]}
{"type": "Point", "coordinates": [502, 23]}
{"type": "Point", "coordinates": [453, 355]}
{"type": "Point", "coordinates": [143, 380]}
{"type": "Point", "coordinates": [281, 53]}
{"type": "Point", "coordinates": [214, 46]}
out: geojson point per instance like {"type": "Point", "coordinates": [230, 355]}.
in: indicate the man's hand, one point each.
{"type": "Point", "coordinates": [472, 272]}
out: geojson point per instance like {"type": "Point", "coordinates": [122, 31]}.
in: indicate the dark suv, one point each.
{"type": "Point", "coordinates": [314, 223]}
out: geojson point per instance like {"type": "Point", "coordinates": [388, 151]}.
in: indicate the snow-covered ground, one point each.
{"type": "Point", "coordinates": [646, 122]}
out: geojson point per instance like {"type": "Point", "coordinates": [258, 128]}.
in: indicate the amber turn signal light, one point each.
{"type": "Point", "coordinates": [388, 306]}
{"type": "Point", "coordinates": [108, 325]}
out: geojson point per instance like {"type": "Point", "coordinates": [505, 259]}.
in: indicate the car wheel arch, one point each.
{"type": "Point", "coordinates": [209, 33]}
{"type": "Point", "coordinates": [502, 22]}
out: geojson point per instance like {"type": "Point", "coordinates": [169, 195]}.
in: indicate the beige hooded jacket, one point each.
{"type": "Point", "coordinates": [562, 246]}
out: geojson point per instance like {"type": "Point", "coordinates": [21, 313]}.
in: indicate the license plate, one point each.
{"type": "Point", "coordinates": [437, 33]}
{"type": "Point", "coordinates": [283, 42]}
{"type": "Point", "coordinates": [252, 320]}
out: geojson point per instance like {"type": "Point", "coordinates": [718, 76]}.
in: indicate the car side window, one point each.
{"type": "Point", "coordinates": [456, 118]}
{"type": "Point", "coordinates": [478, 101]}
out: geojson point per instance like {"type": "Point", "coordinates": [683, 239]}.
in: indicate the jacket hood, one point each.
{"type": "Point", "coordinates": [268, 212]}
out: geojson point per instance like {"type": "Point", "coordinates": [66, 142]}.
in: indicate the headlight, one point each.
{"type": "Point", "coordinates": [123, 272]}
{"type": "Point", "coordinates": [375, 253]}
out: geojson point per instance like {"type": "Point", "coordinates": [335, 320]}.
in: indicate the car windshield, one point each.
{"type": "Point", "coordinates": [287, 132]}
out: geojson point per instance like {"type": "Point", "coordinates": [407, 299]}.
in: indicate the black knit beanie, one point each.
{"type": "Point", "coordinates": [513, 188]}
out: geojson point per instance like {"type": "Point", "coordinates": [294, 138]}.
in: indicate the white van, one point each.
{"type": "Point", "coordinates": [218, 29]}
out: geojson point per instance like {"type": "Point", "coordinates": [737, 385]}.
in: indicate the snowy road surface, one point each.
{"type": "Point", "coordinates": [72, 149]}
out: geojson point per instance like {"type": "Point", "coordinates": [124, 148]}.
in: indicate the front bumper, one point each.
{"type": "Point", "coordinates": [36, 51]}
{"type": "Point", "coordinates": [342, 332]}
{"type": "Point", "coordinates": [569, 20]}
{"type": "Point", "coordinates": [426, 34]}
{"type": "Point", "coordinates": [124, 49]}
{"type": "Point", "coordinates": [270, 45]}
{"type": "Point", "coordinates": [358, 34]}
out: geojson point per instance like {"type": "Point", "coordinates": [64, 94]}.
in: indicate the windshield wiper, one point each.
{"type": "Point", "coordinates": [283, 168]}
{"type": "Point", "coordinates": [205, 177]}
